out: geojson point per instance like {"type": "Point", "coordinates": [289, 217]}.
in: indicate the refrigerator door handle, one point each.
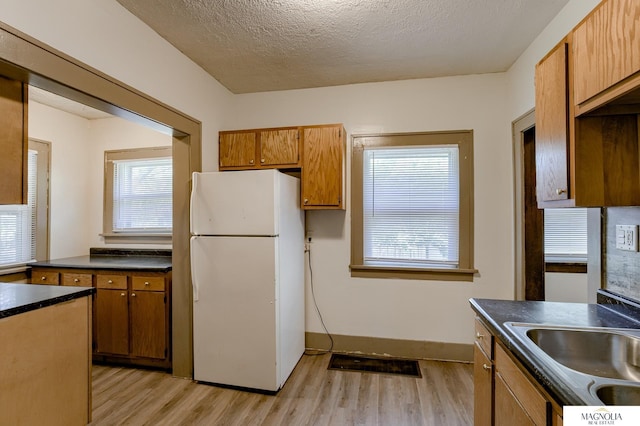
{"type": "Point", "coordinates": [194, 185]}
{"type": "Point", "coordinates": [194, 281]}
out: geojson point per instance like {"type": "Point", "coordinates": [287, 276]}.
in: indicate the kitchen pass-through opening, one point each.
{"type": "Point", "coordinates": [368, 364]}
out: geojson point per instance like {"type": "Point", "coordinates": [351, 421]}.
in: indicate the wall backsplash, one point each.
{"type": "Point", "coordinates": [620, 269]}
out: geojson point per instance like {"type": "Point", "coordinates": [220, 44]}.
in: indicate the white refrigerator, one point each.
{"type": "Point", "coordinates": [247, 268]}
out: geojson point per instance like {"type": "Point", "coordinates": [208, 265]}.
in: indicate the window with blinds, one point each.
{"type": "Point", "coordinates": [18, 222]}
{"type": "Point", "coordinates": [411, 206]}
{"type": "Point", "coordinates": [565, 235]}
{"type": "Point", "coordinates": [138, 193]}
{"type": "Point", "coordinates": [142, 196]}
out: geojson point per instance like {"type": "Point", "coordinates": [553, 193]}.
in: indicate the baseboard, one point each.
{"type": "Point", "coordinates": [414, 349]}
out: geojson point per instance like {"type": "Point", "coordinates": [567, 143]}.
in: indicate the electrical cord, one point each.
{"type": "Point", "coordinates": [315, 304]}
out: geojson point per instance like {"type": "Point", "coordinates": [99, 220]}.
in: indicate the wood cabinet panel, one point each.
{"type": "Point", "coordinates": [606, 46]}
{"type": "Point", "coordinates": [508, 411]}
{"type": "Point", "coordinates": [552, 126]}
{"type": "Point", "coordinates": [118, 282]}
{"type": "Point", "coordinates": [45, 277]}
{"type": "Point", "coordinates": [112, 326]}
{"type": "Point", "coordinates": [237, 149]}
{"type": "Point", "coordinates": [13, 141]}
{"type": "Point", "coordinates": [147, 283]}
{"type": "Point", "coordinates": [280, 147]}
{"type": "Point", "coordinates": [323, 167]}
{"type": "Point", "coordinates": [148, 333]}
{"type": "Point", "coordinates": [483, 388]}
{"type": "Point", "coordinates": [78, 280]}
{"type": "Point", "coordinates": [520, 387]}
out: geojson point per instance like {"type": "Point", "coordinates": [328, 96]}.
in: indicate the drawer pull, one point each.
{"type": "Point", "coordinates": [76, 280]}
{"type": "Point", "coordinates": [146, 283]}
{"type": "Point", "coordinates": [133, 294]}
{"type": "Point", "coordinates": [479, 336]}
{"type": "Point", "coordinates": [110, 282]}
{"type": "Point", "coordinates": [486, 367]}
{"type": "Point", "coordinates": [43, 278]}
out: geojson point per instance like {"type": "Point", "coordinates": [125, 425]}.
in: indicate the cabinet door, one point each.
{"type": "Point", "coordinates": [323, 167]}
{"type": "Point", "coordinates": [508, 410]}
{"type": "Point", "coordinates": [237, 150]}
{"type": "Point", "coordinates": [280, 147]}
{"type": "Point", "coordinates": [483, 388]}
{"type": "Point", "coordinates": [13, 142]}
{"type": "Point", "coordinates": [606, 47]}
{"type": "Point", "coordinates": [148, 324]}
{"type": "Point", "coordinates": [552, 126]}
{"type": "Point", "coordinates": [112, 322]}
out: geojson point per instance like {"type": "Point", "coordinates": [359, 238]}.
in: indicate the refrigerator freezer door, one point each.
{"type": "Point", "coordinates": [236, 315]}
{"type": "Point", "coordinates": [235, 203]}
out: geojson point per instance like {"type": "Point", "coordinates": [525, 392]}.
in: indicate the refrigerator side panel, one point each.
{"type": "Point", "coordinates": [234, 317]}
{"type": "Point", "coordinates": [291, 325]}
{"type": "Point", "coordinates": [234, 203]}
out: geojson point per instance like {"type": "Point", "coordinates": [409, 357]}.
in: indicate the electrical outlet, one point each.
{"type": "Point", "coordinates": [627, 237]}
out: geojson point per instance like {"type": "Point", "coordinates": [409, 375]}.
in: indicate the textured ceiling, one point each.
{"type": "Point", "coordinates": [265, 45]}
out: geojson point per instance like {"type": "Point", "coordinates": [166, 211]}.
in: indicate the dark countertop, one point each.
{"type": "Point", "coordinates": [137, 263]}
{"type": "Point", "coordinates": [495, 313]}
{"type": "Point", "coordinates": [19, 298]}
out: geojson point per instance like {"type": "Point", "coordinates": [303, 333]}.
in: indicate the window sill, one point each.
{"type": "Point", "coordinates": [137, 238]}
{"type": "Point", "coordinates": [435, 274]}
{"type": "Point", "coordinates": [566, 267]}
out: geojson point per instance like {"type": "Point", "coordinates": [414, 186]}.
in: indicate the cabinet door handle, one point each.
{"type": "Point", "coordinates": [486, 367]}
{"type": "Point", "coordinates": [560, 191]}
{"type": "Point", "coordinates": [133, 294]}
{"type": "Point", "coordinates": [306, 201]}
{"type": "Point", "coordinates": [250, 161]}
{"type": "Point", "coordinates": [479, 336]}
{"type": "Point", "coordinates": [262, 160]}
{"type": "Point", "coordinates": [122, 294]}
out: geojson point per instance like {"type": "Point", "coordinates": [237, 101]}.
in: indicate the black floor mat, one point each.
{"type": "Point", "coordinates": [374, 365]}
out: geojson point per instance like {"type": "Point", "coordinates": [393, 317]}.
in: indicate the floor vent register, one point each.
{"type": "Point", "coordinates": [370, 364]}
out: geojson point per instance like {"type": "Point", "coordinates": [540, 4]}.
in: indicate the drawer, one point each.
{"type": "Point", "coordinates": [147, 283]}
{"type": "Point", "coordinates": [79, 280]}
{"type": "Point", "coordinates": [484, 339]}
{"type": "Point", "coordinates": [45, 277]}
{"type": "Point", "coordinates": [112, 281]}
{"type": "Point", "coordinates": [527, 395]}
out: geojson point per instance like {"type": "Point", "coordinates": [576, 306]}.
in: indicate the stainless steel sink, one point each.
{"type": "Point", "coordinates": [600, 353]}
{"type": "Point", "coordinates": [619, 394]}
{"type": "Point", "coordinates": [602, 365]}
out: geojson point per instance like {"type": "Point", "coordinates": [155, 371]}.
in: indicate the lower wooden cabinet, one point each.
{"type": "Point", "coordinates": [505, 393]}
{"type": "Point", "coordinates": [131, 314]}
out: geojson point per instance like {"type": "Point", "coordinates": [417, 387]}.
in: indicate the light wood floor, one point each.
{"type": "Point", "coordinates": [313, 395]}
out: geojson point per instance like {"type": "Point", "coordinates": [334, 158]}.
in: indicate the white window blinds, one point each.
{"type": "Point", "coordinates": [565, 235]}
{"type": "Point", "coordinates": [17, 224]}
{"type": "Point", "coordinates": [142, 195]}
{"type": "Point", "coordinates": [411, 206]}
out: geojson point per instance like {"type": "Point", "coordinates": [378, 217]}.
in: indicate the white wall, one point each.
{"type": "Point", "coordinates": [69, 211]}
{"type": "Point", "coordinates": [109, 134]}
{"type": "Point", "coordinates": [77, 172]}
{"type": "Point", "coordinates": [390, 308]}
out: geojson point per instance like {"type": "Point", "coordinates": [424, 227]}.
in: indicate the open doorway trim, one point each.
{"type": "Point", "coordinates": [27, 59]}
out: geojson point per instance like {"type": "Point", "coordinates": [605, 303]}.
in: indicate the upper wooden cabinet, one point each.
{"type": "Point", "coordinates": [13, 141]}
{"type": "Point", "coordinates": [586, 154]}
{"type": "Point", "coordinates": [259, 148]}
{"type": "Point", "coordinates": [317, 152]}
{"type": "Point", "coordinates": [323, 167]}
{"type": "Point", "coordinates": [552, 126]}
{"type": "Point", "coordinates": [606, 46]}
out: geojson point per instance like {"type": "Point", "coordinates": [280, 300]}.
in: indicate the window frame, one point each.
{"type": "Point", "coordinates": [465, 269]}
{"type": "Point", "coordinates": [107, 224]}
